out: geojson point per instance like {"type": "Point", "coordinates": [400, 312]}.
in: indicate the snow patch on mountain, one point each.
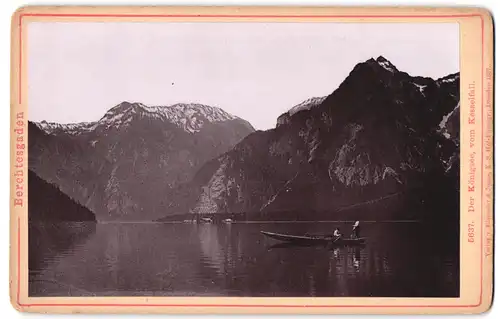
{"type": "Point", "coordinates": [420, 87]}
{"type": "Point", "coordinates": [444, 122]}
{"type": "Point", "coordinates": [306, 105]}
{"type": "Point", "coordinates": [449, 78]}
{"type": "Point", "coordinates": [386, 66]}
{"type": "Point", "coordinates": [383, 62]}
{"type": "Point", "coordinates": [72, 129]}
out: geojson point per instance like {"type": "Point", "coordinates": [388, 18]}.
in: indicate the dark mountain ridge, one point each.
{"type": "Point", "coordinates": [377, 138]}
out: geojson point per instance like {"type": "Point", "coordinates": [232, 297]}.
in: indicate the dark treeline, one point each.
{"type": "Point", "coordinates": [47, 203]}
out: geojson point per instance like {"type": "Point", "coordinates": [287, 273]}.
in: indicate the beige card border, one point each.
{"type": "Point", "coordinates": [476, 68]}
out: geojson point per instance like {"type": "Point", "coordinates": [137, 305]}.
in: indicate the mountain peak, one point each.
{"type": "Point", "coordinates": [386, 64]}
{"type": "Point", "coordinates": [381, 58]}
{"type": "Point", "coordinates": [125, 105]}
{"type": "Point", "coordinates": [189, 116]}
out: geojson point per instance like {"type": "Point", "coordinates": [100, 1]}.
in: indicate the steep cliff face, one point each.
{"type": "Point", "coordinates": [123, 165]}
{"type": "Point", "coordinates": [383, 135]}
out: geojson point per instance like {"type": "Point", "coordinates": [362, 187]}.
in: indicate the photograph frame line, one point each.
{"type": "Point", "coordinates": [20, 236]}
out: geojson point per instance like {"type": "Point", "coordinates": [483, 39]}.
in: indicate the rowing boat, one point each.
{"type": "Point", "coordinates": [319, 239]}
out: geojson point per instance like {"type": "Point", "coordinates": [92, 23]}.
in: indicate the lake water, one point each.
{"type": "Point", "coordinates": [134, 259]}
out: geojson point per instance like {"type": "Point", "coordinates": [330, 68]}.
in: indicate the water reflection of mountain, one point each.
{"type": "Point", "coordinates": [137, 259]}
{"type": "Point", "coordinates": [50, 242]}
{"type": "Point", "coordinates": [127, 259]}
{"type": "Point", "coordinates": [384, 268]}
{"type": "Point", "coordinates": [214, 255]}
{"type": "Point", "coordinates": [236, 260]}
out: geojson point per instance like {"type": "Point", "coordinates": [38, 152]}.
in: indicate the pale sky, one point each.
{"type": "Point", "coordinates": [257, 71]}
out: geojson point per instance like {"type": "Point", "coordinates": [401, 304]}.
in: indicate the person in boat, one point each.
{"type": "Point", "coordinates": [336, 233]}
{"type": "Point", "coordinates": [356, 231]}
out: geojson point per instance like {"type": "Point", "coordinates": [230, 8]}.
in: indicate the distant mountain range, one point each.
{"type": "Point", "coordinates": [189, 117]}
{"type": "Point", "coordinates": [383, 145]}
{"type": "Point", "coordinates": [123, 166]}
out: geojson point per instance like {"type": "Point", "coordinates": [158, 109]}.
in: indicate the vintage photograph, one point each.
{"type": "Point", "coordinates": [249, 159]}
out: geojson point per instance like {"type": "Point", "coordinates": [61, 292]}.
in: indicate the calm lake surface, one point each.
{"type": "Point", "coordinates": [134, 259]}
